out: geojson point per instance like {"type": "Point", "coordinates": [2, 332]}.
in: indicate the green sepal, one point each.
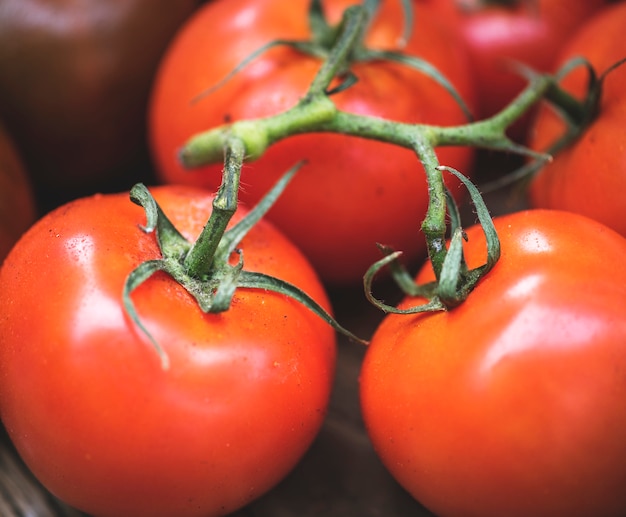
{"type": "Point", "coordinates": [256, 280]}
{"type": "Point", "coordinates": [576, 114]}
{"type": "Point", "coordinates": [213, 290]}
{"type": "Point", "coordinates": [169, 239]}
{"type": "Point", "coordinates": [232, 237]}
{"type": "Point", "coordinates": [324, 34]}
{"type": "Point", "coordinates": [404, 281]}
{"type": "Point", "coordinates": [455, 280]}
{"type": "Point", "coordinates": [420, 65]}
{"type": "Point", "coordinates": [469, 278]}
{"type": "Point", "coordinates": [325, 37]}
{"type": "Point", "coordinates": [137, 277]}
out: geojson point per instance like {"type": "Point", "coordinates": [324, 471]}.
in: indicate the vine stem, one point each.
{"type": "Point", "coordinates": [354, 23]}
{"type": "Point", "coordinates": [434, 224]}
{"type": "Point", "coordinates": [311, 114]}
{"type": "Point", "coordinates": [199, 259]}
{"type": "Point", "coordinates": [316, 113]}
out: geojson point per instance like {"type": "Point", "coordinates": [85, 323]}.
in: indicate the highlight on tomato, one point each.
{"type": "Point", "coordinates": [351, 192]}
{"type": "Point", "coordinates": [90, 405]}
{"type": "Point", "coordinates": [588, 176]}
{"type": "Point", "coordinates": [511, 403]}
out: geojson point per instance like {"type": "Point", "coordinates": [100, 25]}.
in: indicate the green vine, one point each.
{"type": "Point", "coordinates": [577, 115]}
{"type": "Point", "coordinates": [317, 113]}
{"type": "Point", "coordinates": [205, 267]}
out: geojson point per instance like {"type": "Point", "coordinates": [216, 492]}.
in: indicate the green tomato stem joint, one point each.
{"type": "Point", "coordinates": [205, 269]}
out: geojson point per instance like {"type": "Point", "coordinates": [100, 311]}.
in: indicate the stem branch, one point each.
{"type": "Point", "coordinates": [316, 113]}
{"type": "Point", "coordinates": [434, 224]}
{"type": "Point", "coordinates": [354, 22]}
{"type": "Point", "coordinates": [200, 257]}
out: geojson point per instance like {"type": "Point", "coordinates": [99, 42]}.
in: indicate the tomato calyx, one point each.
{"type": "Point", "coordinates": [212, 268]}
{"type": "Point", "coordinates": [580, 113]}
{"type": "Point", "coordinates": [577, 114]}
{"type": "Point", "coordinates": [316, 113]}
{"type": "Point", "coordinates": [326, 38]}
{"type": "Point", "coordinates": [455, 280]}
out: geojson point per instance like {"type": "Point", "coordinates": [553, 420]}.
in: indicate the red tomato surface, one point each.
{"type": "Point", "coordinates": [83, 394]}
{"type": "Point", "coordinates": [498, 35]}
{"type": "Point", "coordinates": [589, 176]}
{"type": "Point", "coordinates": [512, 404]}
{"type": "Point", "coordinates": [17, 205]}
{"type": "Point", "coordinates": [352, 192]}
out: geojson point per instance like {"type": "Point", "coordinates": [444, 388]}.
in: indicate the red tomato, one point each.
{"type": "Point", "coordinates": [74, 82]}
{"type": "Point", "coordinates": [589, 176]}
{"type": "Point", "coordinates": [352, 192]}
{"type": "Point", "coordinates": [512, 403]}
{"type": "Point", "coordinates": [17, 205]}
{"type": "Point", "coordinates": [83, 394]}
{"type": "Point", "coordinates": [498, 36]}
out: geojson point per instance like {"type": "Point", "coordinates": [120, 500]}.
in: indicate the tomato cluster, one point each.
{"type": "Point", "coordinates": [502, 35]}
{"type": "Point", "coordinates": [351, 192]}
{"type": "Point", "coordinates": [590, 176]}
{"type": "Point", "coordinates": [147, 400]}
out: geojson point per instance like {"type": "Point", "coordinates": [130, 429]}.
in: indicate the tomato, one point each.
{"type": "Point", "coordinates": [351, 192]}
{"type": "Point", "coordinates": [512, 403]}
{"type": "Point", "coordinates": [500, 34]}
{"type": "Point", "coordinates": [85, 398]}
{"type": "Point", "coordinates": [74, 81]}
{"type": "Point", "coordinates": [589, 176]}
{"type": "Point", "coordinates": [17, 204]}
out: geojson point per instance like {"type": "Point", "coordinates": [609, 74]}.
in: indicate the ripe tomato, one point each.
{"type": "Point", "coordinates": [17, 206]}
{"type": "Point", "coordinates": [74, 81]}
{"type": "Point", "coordinates": [83, 394]}
{"type": "Point", "coordinates": [512, 403]}
{"type": "Point", "coordinates": [352, 192]}
{"type": "Point", "coordinates": [498, 34]}
{"type": "Point", "coordinates": [589, 176]}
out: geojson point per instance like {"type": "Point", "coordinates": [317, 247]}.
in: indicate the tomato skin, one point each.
{"type": "Point", "coordinates": [498, 36]}
{"type": "Point", "coordinates": [589, 177]}
{"type": "Point", "coordinates": [83, 394]}
{"type": "Point", "coordinates": [74, 82]}
{"type": "Point", "coordinates": [512, 403]}
{"type": "Point", "coordinates": [351, 192]}
{"type": "Point", "coordinates": [17, 203]}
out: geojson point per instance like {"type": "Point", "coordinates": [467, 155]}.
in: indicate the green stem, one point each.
{"type": "Point", "coordinates": [317, 113]}
{"type": "Point", "coordinates": [258, 134]}
{"type": "Point", "coordinates": [434, 224]}
{"type": "Point", "coordinates": [310, 113]}
{"type": "Point", "coordinates": [354, 22]}
{"type": "Point", "coordinates": [199, 260]}
{"type": "Point", "coordinates": [490, 133]}
{"type": "Point", "coordinates": [569, 105]}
